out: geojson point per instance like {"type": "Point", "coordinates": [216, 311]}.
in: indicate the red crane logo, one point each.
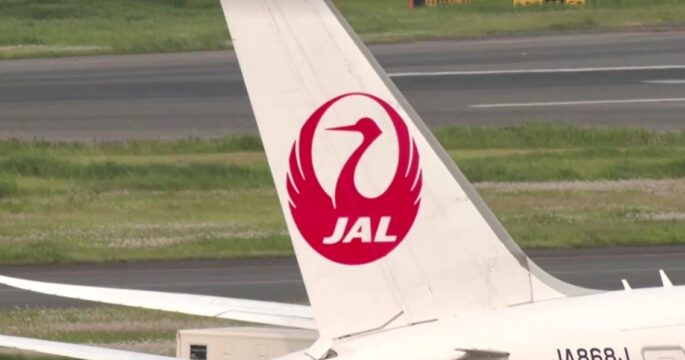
{"type": "Point", "coordinates": [351, 228]}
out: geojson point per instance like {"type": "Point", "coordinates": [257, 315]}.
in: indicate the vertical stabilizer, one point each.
{"type": "Point", "coordinates": [386, 229]}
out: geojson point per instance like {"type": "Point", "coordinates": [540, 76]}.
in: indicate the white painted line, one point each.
{"type": "Point", "coordinates": [666, 82]}
{"type": "Point", "coordinates": [573, 103]}
{"type": "Point", "coordinates": [534, 71]}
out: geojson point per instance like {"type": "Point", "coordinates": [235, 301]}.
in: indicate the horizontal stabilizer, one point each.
{"type": "Point", "coordinates": [261, 312]}
{"type": "Point", "coordinates": [72, 350]}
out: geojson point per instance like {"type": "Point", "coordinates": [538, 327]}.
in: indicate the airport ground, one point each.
{"type": "Point", "coordinates": [552, 187]}
{"type": "Point", "coordinates": [70, 190]}
{"type": "Point", "coordinates": [620, 79]}
{"type": "Point", "coordinates": [624, 79]}
{"type": "Point", "coordinates": [275, 279]}
{"type": "Point", "coordinates": [33, 28]}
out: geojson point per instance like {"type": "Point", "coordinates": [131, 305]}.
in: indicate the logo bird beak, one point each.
{"type": "Point", "coordinates": [344, 128]}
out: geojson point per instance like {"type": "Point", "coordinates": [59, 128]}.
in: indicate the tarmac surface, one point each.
{"type": "Point", "coordinates": [625, 78]}
{"type": "Point", "coordinates": [279, 279]}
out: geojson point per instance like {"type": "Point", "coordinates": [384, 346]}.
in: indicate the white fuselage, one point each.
{"type": "Point", "coordinates": [620, 325]}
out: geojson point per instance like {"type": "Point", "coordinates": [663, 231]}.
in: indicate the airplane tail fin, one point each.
{"type": "Point", "coordinates": [387, 231]}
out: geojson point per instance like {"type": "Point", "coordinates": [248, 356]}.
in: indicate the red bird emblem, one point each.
{"type": "Point", "coordinates": [351, 228]}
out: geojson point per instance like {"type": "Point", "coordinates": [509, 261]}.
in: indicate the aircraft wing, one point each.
{"type": "Point", "coordinates": [262, 312]}
{"type": "Point", "coordinates": [84, 352]}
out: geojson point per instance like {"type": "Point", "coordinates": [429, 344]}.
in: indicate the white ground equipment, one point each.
{"type": "Point", "coordinates": [241, 343]}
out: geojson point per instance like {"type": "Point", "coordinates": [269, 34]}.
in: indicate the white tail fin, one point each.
{"type": "Point", "coordinates": [386, 229]}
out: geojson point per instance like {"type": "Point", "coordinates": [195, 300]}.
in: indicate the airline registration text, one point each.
{"type": "Point", "coordinates": [606, 353]}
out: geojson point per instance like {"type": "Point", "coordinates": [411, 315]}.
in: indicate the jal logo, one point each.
{"type": "Point", "coordinates": [348, 227]}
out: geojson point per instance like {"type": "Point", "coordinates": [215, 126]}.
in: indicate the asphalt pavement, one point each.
{"type": "Point", "coordinates": [280, 280]}
{"type": "Point", "coordinates": [625, 78]}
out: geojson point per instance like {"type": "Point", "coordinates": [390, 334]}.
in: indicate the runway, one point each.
{"type": "Point", "coordinates": [279, 279]}
{"type": "Point", "coordinates": [634, 79]}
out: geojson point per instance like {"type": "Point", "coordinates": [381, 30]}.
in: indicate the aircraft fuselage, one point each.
{"type": "Point", "coordinates": [644, 324]}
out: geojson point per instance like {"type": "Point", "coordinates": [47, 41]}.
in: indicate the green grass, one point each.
{"type": "Point", "coordinates": [388, 20]}
{"type": "Point", "coordinates": [584, 164]}
{"type": "Point", "coordinates": [12, 355]}
{"type": "Point", "coordinates": [114, 327]}
{"type": "Point", "coordinates": [201, 199]}
{"type": "Point", "coordinates": [73, 27]}
{"type": "Point", "coordinates": [30, 28]}
{"type": "Point", "coordinates": [529, 136]}
{"type": "Point", "coordinates": [535, 152]}
{"type": "Point", "coordinates": [545, 136]}
{"type": "Point", "coordinates": [591, 218]}
{"type": "Point", "coordinates": [59, 174]}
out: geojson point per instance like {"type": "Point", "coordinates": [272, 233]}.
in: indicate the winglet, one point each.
{"type": "Point", "coordinates": [626, 285]}
{"type": "Point", "coordinates": [664, 279]}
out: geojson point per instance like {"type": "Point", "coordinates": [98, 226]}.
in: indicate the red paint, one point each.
{"type": "Point", "coordinates": [373, 227]}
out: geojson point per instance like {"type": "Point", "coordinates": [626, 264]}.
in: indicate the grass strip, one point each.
{"type": "Point", "coordinates": [26, 175]}
{"type": "Point", "coordinates": [124, 328]}
{"type": "Point", "coordinates": [535, 152]}
{"type": "Point", "coordinates": [34, 28]}
{"type": "Point", "coordinates": [207, 199]}
{"type": "Point", "coordinates": [16, 355]}
{"type": "Point", "coordinates": [529, 136]}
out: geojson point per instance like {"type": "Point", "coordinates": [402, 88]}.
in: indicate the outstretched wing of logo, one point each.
{"type": "Point", "coordinates": [350, 228]}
